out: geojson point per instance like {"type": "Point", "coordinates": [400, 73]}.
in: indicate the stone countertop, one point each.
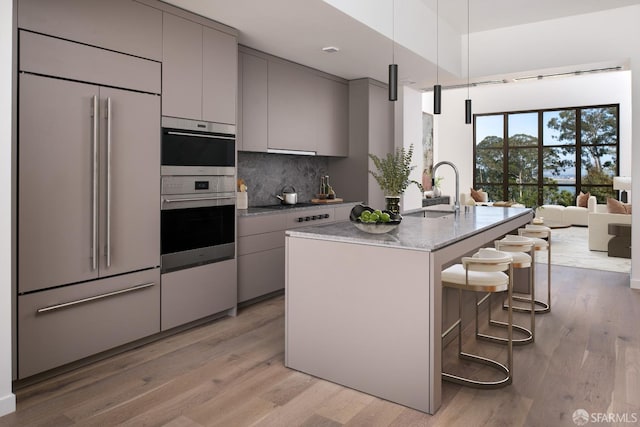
{"type": "Point", "coordinates": [416, 232]}
{"type": "Point", "coordinates": [267, 210]}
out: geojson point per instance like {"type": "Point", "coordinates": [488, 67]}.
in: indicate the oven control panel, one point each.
{"type": "Point", "coordinates": [198, 184]}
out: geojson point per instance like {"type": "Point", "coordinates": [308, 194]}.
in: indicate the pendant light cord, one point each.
{"type": "Point", "coordinates": [393, 32]}
{"type": "Point", "coordinates": [468, 50]}
{"type": "Point", "coordinates": [437, 41]}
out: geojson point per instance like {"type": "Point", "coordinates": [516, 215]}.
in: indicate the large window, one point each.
{"type": "Point", "coordinates": [547, 156]}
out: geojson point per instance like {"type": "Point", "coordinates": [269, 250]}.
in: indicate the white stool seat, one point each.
{"type": "Point", "coordinates": [539, 243]}
{"type": "Point", "coordinates": [458, 274]}
{"type": "Point", "coordinates": [519, 259]}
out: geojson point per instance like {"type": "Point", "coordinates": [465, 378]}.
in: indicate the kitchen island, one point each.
{"type": "Point", "coordinates": [365, 310]}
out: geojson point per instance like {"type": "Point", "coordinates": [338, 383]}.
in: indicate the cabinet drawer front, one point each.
{"type": "Point", "coordinates": [260, 273]}
{"type": "Point", "coordinates": [260, 242]}
{"type": "Point", "coordinates": [342, 212]}
{"type": "Point", "coordinates": [248, 225]}
{"type": "Point", "coordinates": [198, 292]}
{"type": "Point", "coordinates": [120, 25]}
{"type": "Point", "coordinates": [63, 325]}
{"type": "Point", "coordinates": [54, 57]}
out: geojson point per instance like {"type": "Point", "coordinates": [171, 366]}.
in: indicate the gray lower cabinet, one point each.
{"type": "Point", "coordinates": [119, 25]}
{"type": "Point", "coordinates": [261, 241]}
{"type": "Point", "coordinates": [198, 292]}
{"type": "Point", "coordinates": [59, 326]}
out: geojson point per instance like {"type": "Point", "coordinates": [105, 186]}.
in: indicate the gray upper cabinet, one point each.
{"type": "Point", "coordinates": [370, 131]}
{"type": "Point", "coordinates": [120, 25]}
{"type": "Point", "coordinates": [333, 118]}
{"type": "Point", "coordinates": [181, 68]}
{"type": "Point", "coordinates": [200, 71]}
{"type": "Point", "coordinates": [286, 106]}
{"type": "Point", "coordinates": [254, 102]}
{"type": "Point", "coordinates": [291, 107]}
{"type": "Point", "coordinates": [219, 76]}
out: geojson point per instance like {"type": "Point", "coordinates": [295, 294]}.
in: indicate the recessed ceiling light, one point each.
{"type": "Point", "coordinates": [330, 49]}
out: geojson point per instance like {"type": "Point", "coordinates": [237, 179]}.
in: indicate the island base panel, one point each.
{"type": "Point", "coordinates": [358, 315]}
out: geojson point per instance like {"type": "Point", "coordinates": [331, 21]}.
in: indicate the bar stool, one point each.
{"type": "Point", "coordinates": [482, 273]}
{"type": "Point", "coordinates": [538, 233]}
{"type": "Point", "coordinates": [517, 247]}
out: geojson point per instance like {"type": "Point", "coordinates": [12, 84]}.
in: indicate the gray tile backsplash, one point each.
{"type": "Point", "coordinates": [266, 175]}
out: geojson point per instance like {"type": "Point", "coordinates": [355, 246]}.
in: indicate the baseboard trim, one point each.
{"type": "Point", "coordinates": [7, 404]}
{"type": "Point", "coordinates": [635, 283]}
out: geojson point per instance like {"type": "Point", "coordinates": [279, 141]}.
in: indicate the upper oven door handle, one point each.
{"type": "Point", "coordinates": [194, 199]}
{"type": "Point", "coordinates": [200, 135]}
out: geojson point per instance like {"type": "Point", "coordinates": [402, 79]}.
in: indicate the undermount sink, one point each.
{"type": "Point", "coordinates": [430, 214]}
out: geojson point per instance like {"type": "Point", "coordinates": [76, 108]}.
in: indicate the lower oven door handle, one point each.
{"type": "Point", "coordinates": [196, 199]}
{"type": "Point", "coordinates": [93, 298]}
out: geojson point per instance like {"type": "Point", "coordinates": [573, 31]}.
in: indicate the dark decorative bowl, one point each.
{"type": "Point", "coordinates": [373, 228]}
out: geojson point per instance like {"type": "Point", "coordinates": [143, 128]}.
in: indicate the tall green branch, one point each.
{"type": "Point", "coordinates": [393, 171]}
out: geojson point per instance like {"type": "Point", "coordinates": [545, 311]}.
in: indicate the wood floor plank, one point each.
{"type": "Point", "coordinates": [345, 405]}
{"type": "Point", "coordinates": [230, 372]}
{"type": "Point", "coordinates": [297, 410]}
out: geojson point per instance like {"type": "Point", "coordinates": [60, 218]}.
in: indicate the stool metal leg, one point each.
{"type": "Point", "coordinates": [540, 307]}
{"type": "Point", "coordinates": [507, 369]}
{"type": "Point", "coordinates": [529, 333]}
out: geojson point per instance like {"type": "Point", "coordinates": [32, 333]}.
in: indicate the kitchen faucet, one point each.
{"type": "Point", "coordinates": [456, 204]}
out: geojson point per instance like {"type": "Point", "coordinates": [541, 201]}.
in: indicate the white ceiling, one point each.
{"type": "Point", "coordinates": [298, 29]}
{"type": "Point", "coordinates": [492, 14]}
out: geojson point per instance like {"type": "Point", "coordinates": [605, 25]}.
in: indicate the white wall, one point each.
{"type": "Point", "coordinates": [454, 138]}
{"type": "Point", "coordinates": [610, 35]}
{"type": "Point", "coordinates": [7, 398]}
{"type": "Point", "coordinates": [408, 118]}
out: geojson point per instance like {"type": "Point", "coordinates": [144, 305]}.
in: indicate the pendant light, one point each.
{"type": "Point", "coordinates": [467, 102]}
{"type": "Point", "coordinates": [393, 67]}
{"type": "Point", "coordinates": [437, 89]}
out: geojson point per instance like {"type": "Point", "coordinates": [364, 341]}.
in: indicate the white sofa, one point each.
{"type": "Point", "coordinates": [466, 199]}
{"type": "Point", "coordinates": [570, 215]}
{"type": "Point", "coordinates": [599, 228]}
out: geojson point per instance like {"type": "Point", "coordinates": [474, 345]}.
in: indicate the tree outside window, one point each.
{"type": "Point", "coordinates": [549, 156]}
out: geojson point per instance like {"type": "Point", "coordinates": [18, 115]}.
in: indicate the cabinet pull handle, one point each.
{"type": "Point", "coordinates": [195, 199]}
{"type": "Point", "coordinates": [108, 182]}
{"type": "Point", "coordinates": [94, 185]}
{"type": "Point", "coordinates": [199, 135]}
{"type": "Point", "coordinates": [97, 297]}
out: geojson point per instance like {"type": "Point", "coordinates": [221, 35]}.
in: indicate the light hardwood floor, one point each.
{"type": "Point", "coordinates": [231, 373]}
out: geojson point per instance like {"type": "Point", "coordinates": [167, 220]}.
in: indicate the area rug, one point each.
{"type": "Point", "coordinates": [570, 247]}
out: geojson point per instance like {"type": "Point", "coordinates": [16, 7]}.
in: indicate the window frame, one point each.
{"type": "Point", "coordinates": [540, 184]}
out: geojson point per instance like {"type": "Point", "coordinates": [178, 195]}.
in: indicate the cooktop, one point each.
{"type": "Point", "coordinates": [281, 206]}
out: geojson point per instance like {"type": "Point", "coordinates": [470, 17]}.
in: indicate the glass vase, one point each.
{"type": "Point", "coordinates": [392, 204]}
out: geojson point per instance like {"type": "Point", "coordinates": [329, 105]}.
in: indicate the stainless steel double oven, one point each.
{"type": "Point", "coordinates": [198, 193]}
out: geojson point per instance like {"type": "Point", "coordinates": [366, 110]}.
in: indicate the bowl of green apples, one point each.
{"type": "Point", "coordinates": [374, 221]}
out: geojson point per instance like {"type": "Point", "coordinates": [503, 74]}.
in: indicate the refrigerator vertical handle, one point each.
{"type": "Point", "coordinates": [109, 135]}
{"type": "Point", "coordinates": [94, 185]}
